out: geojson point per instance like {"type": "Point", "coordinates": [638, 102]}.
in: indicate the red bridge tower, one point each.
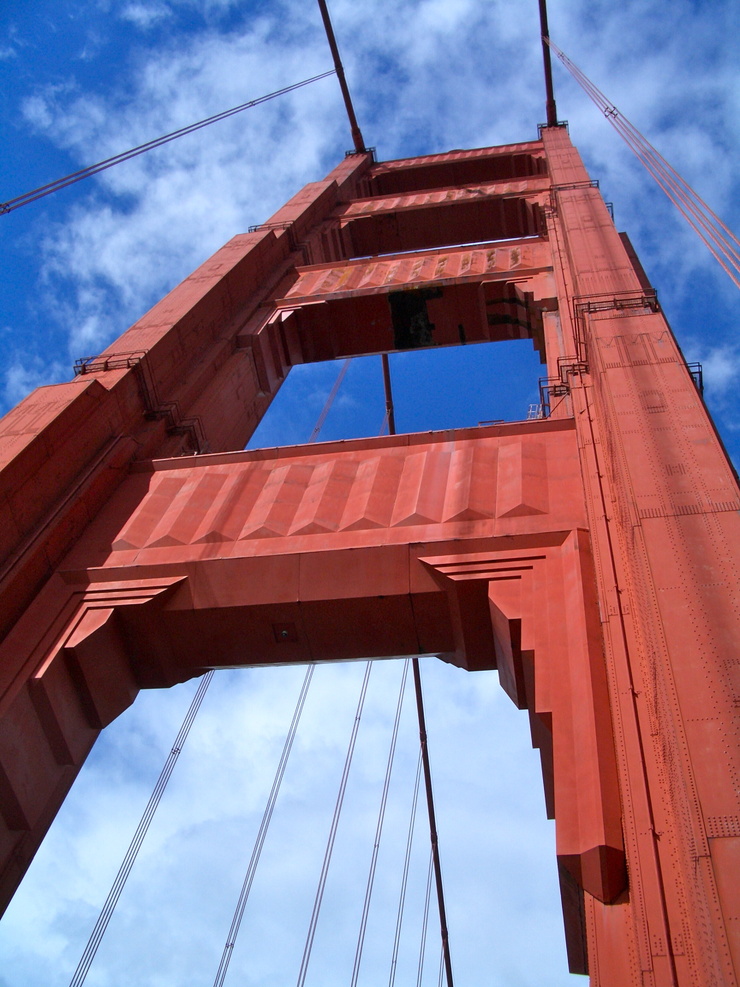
{"type": "Point", "coordinates": [591, 555]}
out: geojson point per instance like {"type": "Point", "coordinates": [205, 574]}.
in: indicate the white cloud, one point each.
{"type": "Point", "coordinates": [145, 15]}
{"type": "Point", "coordinates": [721, 369]}
{"type": "Point", "coordinates": [23, 374]}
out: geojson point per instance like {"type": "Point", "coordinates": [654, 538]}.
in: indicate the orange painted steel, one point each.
{"type": "Point", "coordinates": [591, 557]}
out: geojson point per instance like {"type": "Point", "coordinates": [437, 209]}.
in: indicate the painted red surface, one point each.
{"type": "Point", "coordinates": [592, 557]}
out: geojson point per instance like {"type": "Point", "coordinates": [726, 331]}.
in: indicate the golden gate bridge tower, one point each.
{"type": "Point", "coordinates": [590, 555]}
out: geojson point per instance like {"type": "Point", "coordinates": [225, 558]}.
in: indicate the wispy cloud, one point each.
{"type": "Point", "coordinates": [146, 15]}
{"type": "Point", "coordinates": [23, 374]}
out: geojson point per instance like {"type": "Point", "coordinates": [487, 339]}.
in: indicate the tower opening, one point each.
{"type": "Point", "coordinates": [474, 384]}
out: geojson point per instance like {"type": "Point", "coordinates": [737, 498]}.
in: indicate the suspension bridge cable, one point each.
{"type": "Point", "coordinates": [77, 176]}
{"type": "Point", "coordinates": [550, 108]}
{"type": "Point", "coordinates": [432, 820]}
{"type": "Point", "coordinates": [261, 835]}
{"type": "Point", "coordinates": [141, 830]}
{"type": "Point", "coordinates": [405, 875]}
{"type": "Point", "coordinates": [722, 243]}
{"type": "Point", "coordinates": [390, 414]}
{"type": "Point", "coordinates": [357, 138]}
{"type": "Point", "coordinates": [379, 828]}
{"type": "Point", "coordinates": [704, 222]}
{"type": "Point", "coordinates": [333, 831]}
{"type": "Point", "coordinates": [425, 922]}
{"type": "Point", "coordinates": [690, 208]}
{"type": "Point", "coordinates": [618, 119]}
{"type": "Point", "coordinates": [683, 197]}
{"type": "Point", "coordinates": [330, 400]}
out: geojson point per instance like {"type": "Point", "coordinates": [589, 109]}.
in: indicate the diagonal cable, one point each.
{"type": "Point", "coordinates": [330, 400]}
{"type": "Point", "coordinates": [333, 831]}
{"type": "Point", "coordinates": [141, 830]}
{"type": "Point", "coordinates": [77, 176]}
{"type": "Point", "coordinates": [674, 186]}
{"type": "Point", "coordinates": [264, 826]}
{"type": "Point", "coordinates": [405, 876]}
{"type": "Point", "coordinates": [425, 922]}
{"type": "Point", "coordinates": [379, 828]}
{"type": "Point", "coordinates": [713, 232]}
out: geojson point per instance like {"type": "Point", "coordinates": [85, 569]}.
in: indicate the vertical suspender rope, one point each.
{"type": "Point", "coordinates": [141, 830]}
{"type": "Point", "coordinates": [440, 978]}
{"type": "Point", "coordinates": [264, 826]}
{"type": "Point", "coordinates": [425, 922]}
{"type": "Point", "coordinates": [405, 876]}
{"type": "Point", "coordinates": [390, 415]}
{"type": "Point", "coordinates": [333, 832]}
{"type": "Point", "coordinates": [379, 828]}
{"type": "Point", "coordinates": [423, 736]}
{"type": "Point", "coordinates": [432, 821]}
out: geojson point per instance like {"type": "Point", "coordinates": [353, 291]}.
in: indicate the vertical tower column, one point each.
{"type": "Point", "coordinates": [663, 513]}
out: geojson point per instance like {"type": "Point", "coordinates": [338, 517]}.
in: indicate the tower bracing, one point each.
{"type": "Point", "coordinates": [589, 554]}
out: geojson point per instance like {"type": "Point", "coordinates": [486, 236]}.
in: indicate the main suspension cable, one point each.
{"type": "Point", "coordinates": [357, 138]}
{"type": "Point", "coordinates": [333, 831]}
{"type": "Point", "coordinates": [379, 827]}
{"type": "Point", "coordinates": [713, 232]}
{"type": "Point", "coordinates": [77, 176]}
{"type": "Point", "coordinates": [684, 197]}
{"type": "Point", "coordinates": [264, 826]}
{"type": "Point", "coordinates": [141, 830]}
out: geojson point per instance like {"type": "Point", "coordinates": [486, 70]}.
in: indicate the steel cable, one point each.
{"type": "Point", "coordinates": [141, 830]}
{"type": "Point", "coordinates": [333, 832]}
{"type": "Point", "coordinates": [379, 828]}
{"type": "Point", "coordinates": [432, 820]}
{"type": "Point", "coordinates": [610, 110]}
{"type": "Point", "coordinates": [261, 835]}
{"type": "Point", "coordinates": [713, 232]}
{"type": "Point", "coordinates": [425, 922]}
{"type": "Point", "coordinates": [723, 251]}
{"type": "Point", "coordinates": [405, 875]}
{"type": "Point", "coordinates": [672, 184]}
{"type": "Point", "coordinates": [77, 176]}
{"type": "Point", "coordinates": [330, 400]}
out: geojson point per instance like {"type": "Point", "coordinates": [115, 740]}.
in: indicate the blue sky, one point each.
{"type": "Point", "coordinates": [83, 81]}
